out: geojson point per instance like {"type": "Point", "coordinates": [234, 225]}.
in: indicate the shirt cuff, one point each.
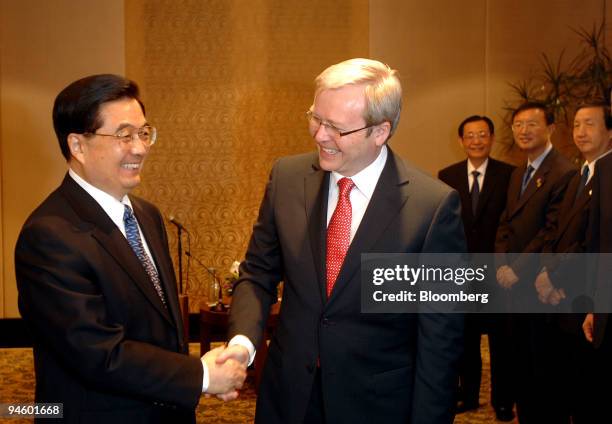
{"type": "Point", "coordinates": [205, 377]}
{"type": "Point", "coordinates": [244, 341]}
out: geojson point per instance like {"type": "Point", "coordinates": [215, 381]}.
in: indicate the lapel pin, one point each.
{"type": "Point", "coordinates": [539, 182]}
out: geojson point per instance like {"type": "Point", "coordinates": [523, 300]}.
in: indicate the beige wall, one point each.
{"type": "Point", "coordinates": [45, 46]}
{"type": "Point", "coordinates": [227, 83]}
{"type": "Point", "coordinates": [456, 59]}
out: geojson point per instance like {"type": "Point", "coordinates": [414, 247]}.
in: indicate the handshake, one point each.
{"type": "Point", "coordinates": [226, 370]}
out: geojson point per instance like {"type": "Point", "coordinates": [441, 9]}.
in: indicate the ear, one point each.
{"type": "Point", "coordinates": [76, 145]}
{"type": "Point", "coordinates": [551, 130]}
{"type": "Point", "coordinates": [381, 133]}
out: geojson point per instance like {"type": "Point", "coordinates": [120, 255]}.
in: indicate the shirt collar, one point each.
{"type": "Point", "coordinates": [538, 161]}
{"type": "Point", "coordinates": [113, 208]}
{"type": "Point", "coordinates": [592, 165]}
{"type": "Point", "coordinates": [366, 179]}
{"type": "Point", "coordinates": [482, 168]}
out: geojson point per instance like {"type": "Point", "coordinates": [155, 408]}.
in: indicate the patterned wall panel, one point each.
{"type": "Point", "coordinates": [227, 84]}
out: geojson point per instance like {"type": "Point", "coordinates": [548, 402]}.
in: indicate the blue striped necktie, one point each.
{"type": "Point", "coordinates": [133, 237]}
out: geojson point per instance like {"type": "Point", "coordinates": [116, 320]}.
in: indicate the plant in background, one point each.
{"type": "Point", "coordinates": [587, 77]}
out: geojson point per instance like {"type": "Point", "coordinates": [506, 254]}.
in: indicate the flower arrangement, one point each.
{"type": "Point", "coordinates": [228, 284]}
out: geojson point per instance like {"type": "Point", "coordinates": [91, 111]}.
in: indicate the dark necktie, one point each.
{"type": "Point", "coordinates": [583, 181]}
{"type": "Point", "coordinates": [526, 178]}
{"type": "Point", "coordinates": [475, 191]}
{"type": "Point", "coordinates": [133, 237]}
{"type": "Point", "coordinates": [339, 233]}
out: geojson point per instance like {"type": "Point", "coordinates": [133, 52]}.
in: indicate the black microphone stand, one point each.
{"type": "Point", "coordinates": [180, 257]}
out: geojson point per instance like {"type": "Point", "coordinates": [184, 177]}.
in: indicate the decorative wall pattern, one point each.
{"type": "Point", "coordinates": [227, 83]}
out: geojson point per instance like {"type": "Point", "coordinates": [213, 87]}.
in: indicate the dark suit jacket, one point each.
{"type": "Point", "coordinates": [528, 218]}
{"type": "Point", "coordinates": [480, 229]}
{"type": "Point", "coordinates": [600, 236]}
{"type": "Point", "coordinates": [391, 368]}
{"type": "Point", "coordinates": [562, 253]}
{"type": "Point", "coordinates": [105, 346]}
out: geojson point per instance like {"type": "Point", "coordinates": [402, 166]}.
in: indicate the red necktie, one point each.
{"type": "Point", "coordinates": [339, 233]}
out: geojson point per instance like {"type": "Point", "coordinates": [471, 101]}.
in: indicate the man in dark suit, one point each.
{"type": "Point", "coordinates": [534, 196]}
{"type": "Point", "coordinates": [95, 278]}
{"type": "Point", "coordinates": [597, 328]}
{"type": "Point", "coordinates": [562, 280]}
{"type": "Point", "coordinates": [482, 183]}
{"type": "Point", "coordinates": [328, 362]}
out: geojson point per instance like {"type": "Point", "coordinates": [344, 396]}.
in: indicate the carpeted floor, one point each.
{"type": "Point", "coordinates": [17, 386]}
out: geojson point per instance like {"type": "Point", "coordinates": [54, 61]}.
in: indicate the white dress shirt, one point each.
{"type": "Point", "coordinates": [365, 183]}
{"type": "Point", "coordinates": [482, 169]}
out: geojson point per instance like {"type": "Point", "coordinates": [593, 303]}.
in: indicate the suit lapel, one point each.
{"type": "Point", "coordinates": [316, 189]}
{"type": "Point", "coordinates": [464, 189]}
{"type": "Point", "coordinates": [387, 200]}
{"type": "Point", "coordinates": [106, 233]}
{"type": "Point", "coordinates": [537, 180]}
{"type": "Point", "coordinates": [571, 206]}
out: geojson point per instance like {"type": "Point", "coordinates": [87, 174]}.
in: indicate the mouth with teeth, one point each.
{"type": "Point", "coordinates": [131, 166]}
{"type": "Point", "coordinates": [330, 151]}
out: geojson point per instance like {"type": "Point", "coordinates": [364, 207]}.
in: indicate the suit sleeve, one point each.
{"type": "Point", "coordinates": [526, 262]}
{"type": "Point", "coordinates": [61, 299]}
{"type": "Point", "coordinates": [440, 336]}
{"type": "Point", "coordinates": [260, 273]}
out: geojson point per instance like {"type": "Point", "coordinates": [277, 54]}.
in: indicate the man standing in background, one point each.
{"type": "Point", "coordinates": [562, 281]}
{"type": "Point", "coordinates": [482, 183]}
{"type": "Point", "coordinates": [328, 362]}
{"type": "Point", "coordinates": [534, 197]}
{"type": "Point", "coordinates": [596, 327]}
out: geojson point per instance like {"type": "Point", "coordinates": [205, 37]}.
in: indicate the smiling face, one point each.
{"type": "Point", "coordinates": [108, 163]}
{"type": "Point", "coordinates": [590, 133]}
{"type": "Point", "coordinates": [476, 141]}
{"type": "Point", "coordinates": [531, 132]}
{"type": "Point", "coordinates": [344, 109]}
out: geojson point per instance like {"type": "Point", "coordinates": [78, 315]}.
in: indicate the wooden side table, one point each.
{"type": "Point", "coordinates": [214, 326]}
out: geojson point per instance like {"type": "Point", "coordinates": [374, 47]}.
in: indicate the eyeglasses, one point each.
{"type": "Point", "coordinates": [146, 134]}
{"type": "Point", "coordinates": [530, 125]}
{"type": "Point", "coordinates": [314, 123]}
{"type": "Point", "coordinates": [471, 136]}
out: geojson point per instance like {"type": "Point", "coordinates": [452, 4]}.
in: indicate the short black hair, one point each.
{"type": "Point", "coordinates": [76, 108]}
{"type": "Point", "coordinates": [605, 108]}
{"type": "Point", "coordinates": [550, 116]}
{"type": "Point", "coordinates": [476, 118]}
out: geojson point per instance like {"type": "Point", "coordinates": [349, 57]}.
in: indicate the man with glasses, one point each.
{"type": "Point", "coordinates": [95, 277]}
{"type": "Point", "coordinates": [482, 183]}
{"type": "Point", "coordinates": [534, 197]}
{"type": "Point", "coordinates": [328, 362]}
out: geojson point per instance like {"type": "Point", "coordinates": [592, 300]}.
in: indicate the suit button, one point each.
{"type": "Point", "coordinates": [325, 321]}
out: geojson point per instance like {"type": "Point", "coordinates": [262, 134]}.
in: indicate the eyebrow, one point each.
{"type": "Point", "coordinates": [127, 125]}
{"type": "Point", "coordinates": [329, 121]}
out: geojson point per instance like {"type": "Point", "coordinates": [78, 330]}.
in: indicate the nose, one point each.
{"type": "Point", "coordinates": [320, 134]}
{"type": "Point", "coordinates": [138, 147]}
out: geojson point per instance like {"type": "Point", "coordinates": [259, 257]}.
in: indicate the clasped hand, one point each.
{"type": "Point", "coordinates": [226, 370]}
{"type": "Point", "coordinates": [506, 277]}
{"type": "Point", "coordinates": [547, 293]}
